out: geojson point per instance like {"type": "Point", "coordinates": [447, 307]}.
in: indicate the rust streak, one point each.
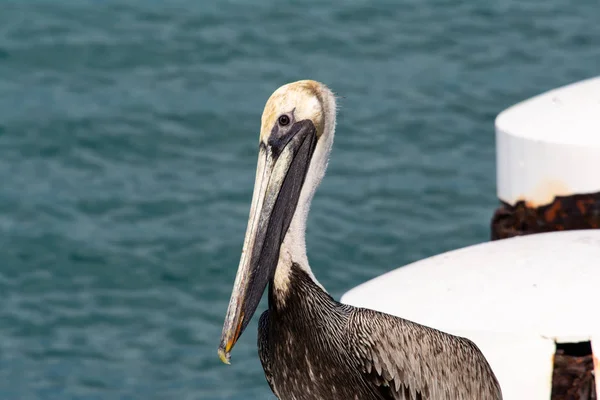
{"type": "Point", "coordinates": [580, 211]}
{"type": "Point", "coordinates": [551, 213]}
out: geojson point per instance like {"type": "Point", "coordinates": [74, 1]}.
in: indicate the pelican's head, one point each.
{"type": "Point", "coordinates": [300, 101]}
{"type": "Point", "coordinates": [296, 134]}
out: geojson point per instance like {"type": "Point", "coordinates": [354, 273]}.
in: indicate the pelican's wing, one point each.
{"type": "Point", "coordinates": [263, 348]}
{"type": "Point", "coordinates": [405, 360]}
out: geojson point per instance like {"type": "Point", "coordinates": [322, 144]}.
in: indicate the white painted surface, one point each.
{"type": "Point", "coordinates": [512, 297]}
{"type": "Point", "coordinates": [549, 145]}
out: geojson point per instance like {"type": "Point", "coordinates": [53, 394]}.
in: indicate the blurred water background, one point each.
{"type": "Point", "coordinates": [128, 141]}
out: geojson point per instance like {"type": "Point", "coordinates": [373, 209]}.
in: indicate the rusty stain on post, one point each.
{"type": "Point", "coordinates": [580, 211]}
{"type": "Point", "coordinates": [573, 372]}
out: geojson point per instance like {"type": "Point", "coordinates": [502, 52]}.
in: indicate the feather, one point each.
{"type": "Point", "coordinates": [428, 363]}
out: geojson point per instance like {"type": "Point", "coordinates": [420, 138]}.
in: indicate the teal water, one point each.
{"type": "Point", "coordinates": [128, 141]}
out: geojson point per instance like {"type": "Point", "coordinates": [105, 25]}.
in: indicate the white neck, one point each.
{"type": "Point", "coordinates": [293, 248]}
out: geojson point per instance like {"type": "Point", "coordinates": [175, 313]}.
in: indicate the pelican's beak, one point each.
{"type": "Point", "coordinates": [282, 166]}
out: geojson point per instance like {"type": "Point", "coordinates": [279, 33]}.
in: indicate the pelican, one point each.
{"type": "Point", "coordinates": [311, 346]}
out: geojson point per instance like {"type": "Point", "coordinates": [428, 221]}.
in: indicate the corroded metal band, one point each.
{"type": "Point", "coordinates": [573, 375]}
{"type": "Point", "coordinates": [580, 211]}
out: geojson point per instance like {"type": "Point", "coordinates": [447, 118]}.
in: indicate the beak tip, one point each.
{"type": "Point", "coordinates": [224, 355]}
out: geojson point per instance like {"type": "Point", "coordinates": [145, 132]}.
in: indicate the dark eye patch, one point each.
{"type": "Point", "coordinates": [280, 135]}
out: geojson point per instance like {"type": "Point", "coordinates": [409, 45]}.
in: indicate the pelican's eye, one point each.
{"type": "Point", "coordinates": [283, 120]}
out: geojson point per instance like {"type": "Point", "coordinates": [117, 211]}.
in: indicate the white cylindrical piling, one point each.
{"type": "Point", "coordinates": [515, 298]}
{"type": "Point", "coordinates": [548, 158]}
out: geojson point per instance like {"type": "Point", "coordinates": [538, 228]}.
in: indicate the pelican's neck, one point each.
{"type": "Point", "coordinates": [293, 249]}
